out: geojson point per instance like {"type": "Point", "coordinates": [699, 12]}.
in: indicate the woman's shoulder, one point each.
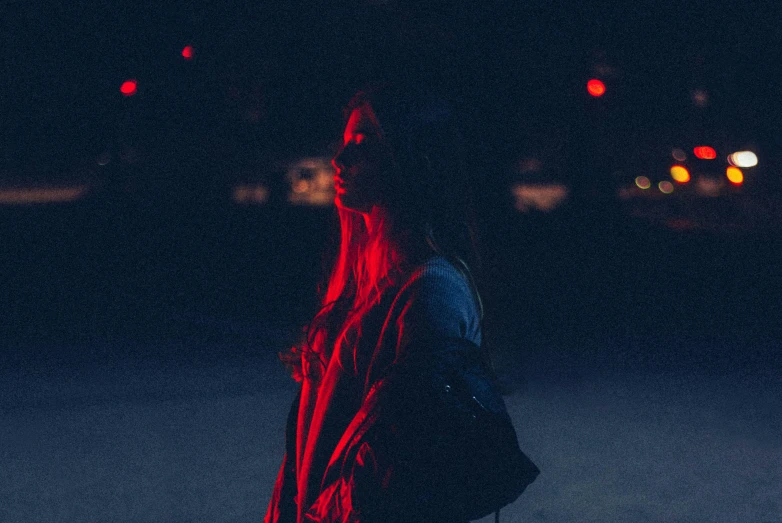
{"type": "Point", "coordinates": [437, 274]}
{"type": "Point", "coordinates": [434, 265]}
{"type": "Point", "coordinates": [437, 298]}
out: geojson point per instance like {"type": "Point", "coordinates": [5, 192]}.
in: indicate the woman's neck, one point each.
{"type": "Point", "coordinates": [374, 219]}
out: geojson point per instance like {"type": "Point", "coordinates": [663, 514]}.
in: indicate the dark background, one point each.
{"type": "Point", "coordinates": [158, 249]}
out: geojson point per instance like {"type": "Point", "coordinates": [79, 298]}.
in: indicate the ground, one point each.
{"type": "Point", "coordinates": [112, 433]}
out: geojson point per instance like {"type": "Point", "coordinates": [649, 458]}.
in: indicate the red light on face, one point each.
{"type": "Point", "coordinates": [705, 152]}
{"type": "Point", "coordinates": [187, 52]}
{"type": "Point", "coordinates": [596, 87]}
{"type": "Point", "coordinates": [128, 88]}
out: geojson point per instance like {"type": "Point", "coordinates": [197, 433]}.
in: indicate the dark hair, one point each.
{"type": "Point", "coordinates": [432, 193]}
{"type": "Point", "coordinates": [430, 210]}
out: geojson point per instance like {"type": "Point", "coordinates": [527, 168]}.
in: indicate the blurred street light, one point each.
{"type": "Point", "coordinates": [735, 175]}
{"type": "Point", "coordinates": [743, 159]}
{"type": "Point", "coordinates": [680, 174]}
{"type": "Point", "coordinates": [704, 152]}
{"type": "Point", "coordinates": [700, 98]}
{"type": "Point", "coordinates": [41, 195]}
{"type": "Point", "coordinates": [679, 155]}
{"type": "Point", "coordinates": [128, 87]}
{"type": "Point", "coordinates": [642, 182]}
{"type": "Point", "coordinates": [542, 197]}
{"type": "Point", "coordinates": [596, 88]}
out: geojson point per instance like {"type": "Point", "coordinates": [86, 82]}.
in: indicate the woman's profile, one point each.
{"type": "Point", "coordinates": [381, 427]}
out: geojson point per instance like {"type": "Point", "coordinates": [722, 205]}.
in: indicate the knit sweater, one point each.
{"type": "Point", "coordinates": [435, 302]}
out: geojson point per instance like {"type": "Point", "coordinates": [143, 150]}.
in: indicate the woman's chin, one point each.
{"type": "Point", "coordinates": [348, 205]}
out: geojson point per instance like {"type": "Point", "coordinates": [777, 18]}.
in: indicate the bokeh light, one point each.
{"type": "Point", "coordinates": [311, 182]}
{"type": "Point", "coordinates": [301, 186]}
{"type": "Point", "coordinates": [704, 152]}
{"type": "Point", "coordinates": [743, 159]}
{"type": "Point", "coordinates": [104, 158]}
{"type": "Point", "coordinates": [41, 195]}
{"type": "Point", "coordinates": [708, 186]}
{"type": "Point", "coordinates": [680, 174]}
{"type": "Point", "coordinates": [187, 52]}
{"type": "Point", "coordinates": [700, 97]}
{"type": "Point", "coordinates": [540, 197]}
{"type": "Point", "coordinates": [643, 182]}
{"type": "Point", "coordinates": [595, 87]}
{"type": "Point", "coordinates": [250, 194]}
{"type": "Point", "coordinates": [679, 155]}
{"type": "Point", "coordinates": [735, 175]}
{"type": "Point", "coordinates": [128, 88]}
{"type": "Point", "coordinates": [665, 187]}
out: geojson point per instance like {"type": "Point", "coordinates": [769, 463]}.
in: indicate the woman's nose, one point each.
{"type": "Point", "coordinates": [337, 160]}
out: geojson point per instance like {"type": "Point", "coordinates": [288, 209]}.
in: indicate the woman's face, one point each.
{"type": "Point", "coordinates": [361, 163]}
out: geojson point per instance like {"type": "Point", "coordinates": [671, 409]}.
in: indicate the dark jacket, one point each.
{"type": "Point", "coordinates": [407, 457]}
{"type": "Point", "coordinates": [406, 452]}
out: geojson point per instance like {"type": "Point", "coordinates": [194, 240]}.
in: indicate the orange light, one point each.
{"type": "Point", "coordinates": [187, 52]}
{"type": "Point", "coordinates": [735, 175]}
{"type": "Point", "coordinates": [128, 88]}
{"type": "Point", "coordinates": [680, 174]}
{"type": "Point", "coordinates": [595, 87]}
{"type": "Point", "coordinates": [543, 197]}
{"type": "Point", "coordinates": [705, 152]}
{"type": "Point", "coordinates": [37, 195]}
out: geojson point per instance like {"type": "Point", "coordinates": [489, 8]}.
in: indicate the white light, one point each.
{"type": "Point", "coordinates": [743, 159]}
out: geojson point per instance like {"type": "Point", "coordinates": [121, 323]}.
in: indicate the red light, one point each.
{"type": "Point", "coordinates": [187, 52]}
{"type": "Point", "coordinates": [596, 87]}
{"type": "Point", "coordinates": [128, 88]}
{"type": "Point", "coordinates": [705, 152]}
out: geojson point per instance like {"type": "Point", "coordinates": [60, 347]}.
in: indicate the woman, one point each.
{"type": "Point", "coordinates": [360, 441]}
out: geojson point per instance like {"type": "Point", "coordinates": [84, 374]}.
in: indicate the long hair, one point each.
{"type": "Point", "coordinates": [429, 210]}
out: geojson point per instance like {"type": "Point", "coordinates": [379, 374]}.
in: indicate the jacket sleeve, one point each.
{"type": "Point", "coordinates": [282, 506]}
{"type": "Point", "coordinates": [432, 442]}
{"type": "Point", "coordinates": [392, 463]}
{"type": "Point", "coordinates": [391, 466]}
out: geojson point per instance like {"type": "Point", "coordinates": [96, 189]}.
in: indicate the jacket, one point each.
{"type": "Point", "coordinates": [398, 457]}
